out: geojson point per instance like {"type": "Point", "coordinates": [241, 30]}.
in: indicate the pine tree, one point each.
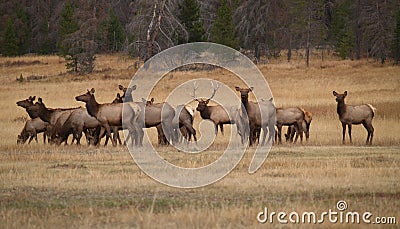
{"type": "Point", "coordinates": [396, 40]}
{"type": "Point", "coordinates": [115, 33]}
{"type": "Point", "coordinates": [189, 15]}
{"type": "Point", "coordinates": [65, 48]}
{"type": "Point", "coordinates": [23, 31]}
{"type": "Point", "coordinates": [223, 29]}
{"type": "Point", "coordinates": [346, 44]}
{"type": "Point", "coordinates": [10, 47]}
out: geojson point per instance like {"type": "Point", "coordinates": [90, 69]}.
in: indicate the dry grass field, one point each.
{"type": "Point", "coordinates": [45, 186]}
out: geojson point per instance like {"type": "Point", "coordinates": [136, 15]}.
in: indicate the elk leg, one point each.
{"type": "Point", "coordinates": [371, 133]}
{"type": "Point", "coordinates": [216, 129]}
{"type": "Point", "coordinates": [296, 129]}
{"type": "Point", "coordinates": [344, 131]}
{"type": "Point", "coordinates": [118, 137]}
{"type": "Point", "coordinates": [44, 137]}
{"type": "Point", "coordinates": [292, 133]}
{"type": "Point", "coordinates": [78, 137]}
{"type": "Point", "coordinates": [349, 125]}
{"type": "Point", "coordinates": [108, 134]}
{"type": "Point", "coordinates": [264, 135]}
{"type": "Point", "coordinates": [221, 127]}
{"type": "Point", "coordinates": [370, 130]}
{"type": "Point", "coordinates": [279, 134]}
{"type": "Point", "coordinates": [251, 136]}
{"type": "Point", "coordinates": [30, 139]}
{"type": "Point", "coordinates": [288, 134]}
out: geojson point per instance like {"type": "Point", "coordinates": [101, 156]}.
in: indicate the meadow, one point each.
{"type": "Point", "coordinates": [46, 186]}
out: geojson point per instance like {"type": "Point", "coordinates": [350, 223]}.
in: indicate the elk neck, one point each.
{"type": "Point", "coordinates": [341, 108]}
{"type": "Point", "coordinates": [45, 114]}
{"type": "Point", "coordinates": [92, 106]}
{"type": "Point", "coordinates": [246, 105]}
{"type": "Point", "coordinates": [206, 113]}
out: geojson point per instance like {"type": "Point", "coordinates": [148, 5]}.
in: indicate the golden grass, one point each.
{"type": "Point", "coordinates": [70, 186]}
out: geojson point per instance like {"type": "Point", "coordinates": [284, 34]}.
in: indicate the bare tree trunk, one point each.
{"type": "Point", "coordinates": [148, 37]}
{"type": "Point", "coordinates": [154, 29]}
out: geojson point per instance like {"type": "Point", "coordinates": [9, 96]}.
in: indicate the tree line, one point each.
{"type": "Point", "coordinates": [78, 29]}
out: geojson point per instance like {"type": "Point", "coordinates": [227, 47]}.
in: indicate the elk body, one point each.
{"type": "Point", "coordinates": [355, 115]}
{"type": "Point", "coordinates": [31, 129]}
{"type": "Point", "coordinates": [77, 122]}
{"type": "Point", "coordinates": [50, 116]}
{"type": "Point", "coordinates": [216, 114]}
{"type": "Point", "coordinates": [183, 123]}
{"type": "Point", "coordinates": [288, 117]}
{"type": "Point", "coordinates": [110, 114]}
{"type": "Point", "coordinates": [291, 131]}
{"type": "Point", "coordinates": [255, 121]}
{"type": "Point", "coordinates": [159, 115]}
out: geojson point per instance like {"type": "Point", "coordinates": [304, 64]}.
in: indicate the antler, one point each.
{"type": "Point", "coordinates": [195, 86]}
{"type": "Point", "coordinates": [215, 89]}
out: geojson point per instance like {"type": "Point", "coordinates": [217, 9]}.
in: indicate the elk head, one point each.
{"type": "Point", "coordinates": [38, 107]}
{"type": "Point", "coordinates": [21, 139]}
{"type": "Point", "coordinates": [85, 97]}
{"type": "Point", "coordinates": [340, 97]}
{"type": "Point", "coordinates": [26, 102]}
{"type": "Point", "coordinates": [244, 92]}
{"type": "Point", "coordinates": [127, 96]}
{"type": "Point", "coordinates": [148, 103]}
{"type": "Point", "coordinates": [204, 102]}
{"type": "Point", "coordinates": [118, 99]}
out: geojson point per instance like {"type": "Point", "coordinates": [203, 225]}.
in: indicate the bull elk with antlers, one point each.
{"type": "Point", "coordinates": [218, 114]}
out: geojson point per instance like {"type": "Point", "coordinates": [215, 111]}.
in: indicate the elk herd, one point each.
{"type": "Point", "coordinates": [175, 124]}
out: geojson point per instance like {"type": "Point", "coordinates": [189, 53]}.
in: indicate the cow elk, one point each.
{"type": "Point", "coordinates": [110, 114]}
{"type": "Point", "coordinates": [355, 115]}
{"type": "Point", "coordinates": [159, 115]}
{"type": "Point", "coordinates": [31, 129]}
{"type": "Point", "coordinates": [288, 117]}
{"type": "Point", "coordinates": [291, 131]}
{"type": "Point", "coordinates": [254, 117]}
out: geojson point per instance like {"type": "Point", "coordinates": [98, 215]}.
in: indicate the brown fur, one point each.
{"type": "Point", "coordinates": [31, 129]}
{"type": "Point", "coordinates": [110, 114]}
{"type": "Point", "coordinates": [287, 117]}
{"type": "Point", "coordinates": [354, 115]}
{"type": "Point", "coordinates": [253, 111]}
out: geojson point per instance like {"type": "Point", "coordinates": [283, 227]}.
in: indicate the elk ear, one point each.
{"type": "Point", "coordinates": [251, 88]}
{"type": "Point", "coordinates": [152, 100]}
{"type": "Point", "coordinates": [345, 93]}
{"type": "Point", "coordinates": [33, 98]}
{"type": "Point", "coordinates": [206, 102]}
{"type": "Point", "coordinates": [133, 87]}
{"type": "Point", "coordinates": [40, 100]}
{"type": "Point", "coordinates": [92, 90]}
{"type": "Point", "coordinates": [334, 93]}
{"type": "Point", "coordinates": [237, 88]}
{"type": "Point", "coordinates": [118, 96]}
